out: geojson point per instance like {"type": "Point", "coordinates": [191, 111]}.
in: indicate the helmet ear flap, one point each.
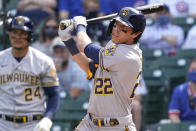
{"type": "Point", "coordinates": [30, 37]}
{"type": "Point", "coordinates": [110, 27]}
{"type": "Point", "coordinates": [8, 23]}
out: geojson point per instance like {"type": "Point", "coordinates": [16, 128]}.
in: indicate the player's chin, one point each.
{"type": "Point", "coordinates": [19, 47]}
{"type": "Point", "coordinates": [115, 40]}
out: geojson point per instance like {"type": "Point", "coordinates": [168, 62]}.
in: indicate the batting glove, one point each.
{"type": "Point", "coordinates": [79, 20]}
{"type": "Point", "coordinates": [65, 34]}
{"type": "Point", "coordinates": [44, 125]}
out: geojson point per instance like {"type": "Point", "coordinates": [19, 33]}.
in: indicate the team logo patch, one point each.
{"type": "Point", "coordinates": [110, 50]}
{"type": "Point", "coordinates": [20, 21]}
{"type": "Point", "coordinates": [124, 12]}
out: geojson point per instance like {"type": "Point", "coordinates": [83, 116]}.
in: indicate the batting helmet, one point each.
{"type": "Point", "coordinates": [22, 23]}
{"type": "Point", "coordinates": [129, 17]}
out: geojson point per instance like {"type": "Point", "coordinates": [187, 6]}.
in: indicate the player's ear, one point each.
{"type": "Point", "coordinates": [135, 34]}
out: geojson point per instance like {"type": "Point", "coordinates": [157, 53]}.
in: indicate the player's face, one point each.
{"type": "Point", "coordinates": [192, 67]}
{"type": "Point", "coordinates": [18, 39]}
{"type": "Point", "coordinates": [122, 34]}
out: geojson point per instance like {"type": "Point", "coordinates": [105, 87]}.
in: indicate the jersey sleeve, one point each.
{"type": "Point", "coordinates": [92, 69]}
{"type": "Point", "coordinates": [174, 106]}
{"type": "Point", "coordinates": [49, 77]}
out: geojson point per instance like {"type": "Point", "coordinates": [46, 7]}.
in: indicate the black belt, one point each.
{"type": "Point", "coordinates": [20, 119]}
{"type": "Point", "coordinates": [100, 122]}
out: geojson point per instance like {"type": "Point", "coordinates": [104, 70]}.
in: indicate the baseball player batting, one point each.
{"type": "Point", "coordinates": [116, 69]}
{"type": "Point", "coordinates": [27, 80]}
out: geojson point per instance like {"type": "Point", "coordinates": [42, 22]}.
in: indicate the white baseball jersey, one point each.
{"type": "Point", "coordinates": [115, 80]}
{"type": "Point", "coordinates": [22, 83]}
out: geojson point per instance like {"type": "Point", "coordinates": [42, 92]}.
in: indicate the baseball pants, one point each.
{"type": "Point", "coordinates": [11, 126]}
{"type": "Point", "coordinates": [87, 125]}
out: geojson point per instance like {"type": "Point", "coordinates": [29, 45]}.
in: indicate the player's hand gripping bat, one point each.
{"type": "Point", "coordinates": [146, 9]}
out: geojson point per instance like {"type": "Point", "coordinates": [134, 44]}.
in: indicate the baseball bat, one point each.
{"type": "Point", "coordinates": [146, 9]}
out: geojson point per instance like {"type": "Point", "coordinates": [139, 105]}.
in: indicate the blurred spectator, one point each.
{"type": "Point", "coordinates": [105, 8]}
{"type": "Point", "coordinates": [137, 103]}
{"type": "Point", "coordinates": [179, 8]}
{"type": "Point", "coordinates": [183, 102]}
{"type": "Point", "coordinates": [190, 39]}
{"type": "Point", "coordinates": [48, 33]}
{"type": "Point", "coordinates": [70, 8]}
{"type": "Point", "coordinates": [71, 77]}
{"type": "Point", "coordinates": [114, 6]}
{"type": "Point", "coordinates": [163, 35]}
{"type": "Point", "coordinates": [37, 10]}
{"type": "Point", "coordinates": [97, 31]}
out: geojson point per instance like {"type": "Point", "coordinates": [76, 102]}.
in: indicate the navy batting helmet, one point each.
{"type": "Point", "coordinates": [129, 17]}
{"type": "Point", "coordinates": [22, 23]}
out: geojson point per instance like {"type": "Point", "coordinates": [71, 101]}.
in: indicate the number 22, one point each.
{"type": "Point", "coordinates": [103, 86]}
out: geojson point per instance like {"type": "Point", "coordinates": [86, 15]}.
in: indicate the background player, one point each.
{"type": "Point", "coordinates": [27, 80]}
{"type": "Point", "coordinates": [117, 76]}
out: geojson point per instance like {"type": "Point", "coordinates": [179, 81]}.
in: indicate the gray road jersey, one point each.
{"type": "Point", "coordinates": [22, 83]}
{"type": "Point", "coordinates": [115, 80]}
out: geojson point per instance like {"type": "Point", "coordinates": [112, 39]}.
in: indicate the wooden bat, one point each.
{"type": "Point", "coordinates": [146, 9]}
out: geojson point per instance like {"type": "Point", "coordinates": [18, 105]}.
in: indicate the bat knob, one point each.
{"type": "Point", "coordinates": [65, 23]}
{"type": "Point", "coordinates": [62, 26]}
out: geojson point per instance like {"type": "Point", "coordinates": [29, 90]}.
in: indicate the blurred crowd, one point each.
{"type": "Point", "coordinates": [162, 34]}
{"type": "Point", "coordinates": [169, 37]}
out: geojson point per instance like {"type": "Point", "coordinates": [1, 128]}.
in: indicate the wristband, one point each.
{"type": "Point", "coordinates": [71, 46]}
{"type": "Point", "coordinates": [80, 28]}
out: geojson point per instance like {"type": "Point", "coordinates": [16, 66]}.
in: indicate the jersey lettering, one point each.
{"type": "Point", "coordinates": [19, 77]}
{"type": "Point", "coordinates": [30, 94]}
{"type": "Point", "coordinates": [103, 86]}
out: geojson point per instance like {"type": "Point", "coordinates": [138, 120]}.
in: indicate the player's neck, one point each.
{"type": "Point", "coordinates": [20, 52]}
{"type": "Point", "coordinates": [130, 42]}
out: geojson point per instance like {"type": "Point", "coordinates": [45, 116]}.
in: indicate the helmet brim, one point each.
{"type": "Point", "coordinates": [24, 28]}
{"type": "Point", "coordinates": [123, 22]}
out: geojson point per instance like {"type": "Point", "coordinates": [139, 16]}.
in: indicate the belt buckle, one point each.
{"type": "Point", "coordinates": [37, 117]}
{"type": "Point", "coordinates": [23, 119]}
{"type": "Point", "coordinates": [98, 122]}
{"type": "Point", "coordinates": [113, 122]}
{"type": "Point", "coordinates": [16, 118]}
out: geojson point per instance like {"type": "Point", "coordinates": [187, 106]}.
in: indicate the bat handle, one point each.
{"type": "Point", "coordinates": [65, 23]}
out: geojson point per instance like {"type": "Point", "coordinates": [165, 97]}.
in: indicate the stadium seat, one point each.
{"type": "Point", "coordinates": [155, 106]}
{"type": "Point", "coordinates": [183, 126]}
{"type": "Point", "coordinates": [61, 126]}
{"type": "Point", "coordinates": [71, 110]}
{"type": "Point", "coordinates": [154, 78]}
{"type": "Point", "coordinates": [174, 76]}
{"type": "Point", "coordinates": [188, 126]}
{"type": "Point", "coordinates": [152, 54]}
{"type": "Point", "coordinates": [84, 96]}
{"type": "Point", "coordinates": [185, 22]}
{"type": "Point", "coordinates": [188, 53]}
{"type": "Point", "coordinates": [168, 127]}
{"type": "Point", "coordinates": [169, 62]}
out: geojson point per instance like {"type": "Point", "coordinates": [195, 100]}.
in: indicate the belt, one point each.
{"type": "Point", "coordinates": [20, 119]}
{"type": "Point", "coordinates": [101, 123]}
